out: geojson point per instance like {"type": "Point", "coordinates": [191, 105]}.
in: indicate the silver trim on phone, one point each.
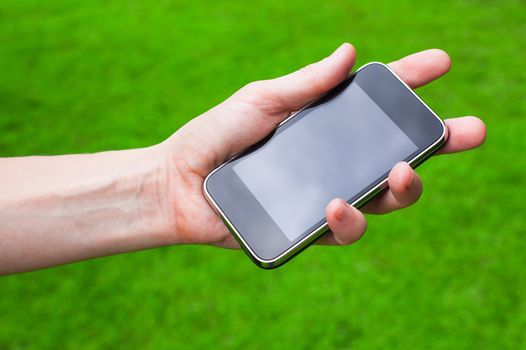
{"type": "Point", "coordinates": [323, 228]}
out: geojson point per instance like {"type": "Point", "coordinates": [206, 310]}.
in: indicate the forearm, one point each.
{"type": "Point", "coordinates": [60, 209]}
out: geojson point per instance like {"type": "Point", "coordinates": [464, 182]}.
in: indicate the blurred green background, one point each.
{"type": "Point", "coordinates": [450, 272]}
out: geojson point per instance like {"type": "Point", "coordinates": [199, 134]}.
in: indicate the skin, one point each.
{"type": "Point", "coordinates": [61, 209]}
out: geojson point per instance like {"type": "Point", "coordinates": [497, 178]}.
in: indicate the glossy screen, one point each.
{"type": "Point", "coordinates": [334, 151]}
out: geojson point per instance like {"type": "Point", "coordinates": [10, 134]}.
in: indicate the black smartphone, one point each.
{"type": "Point", "coordinates": [272, 197]}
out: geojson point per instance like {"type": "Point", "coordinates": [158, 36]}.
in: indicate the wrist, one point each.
{"type": "Point", "coordinates": [152, 182]}
{"type": "Point", "coordinates": [166, 195]}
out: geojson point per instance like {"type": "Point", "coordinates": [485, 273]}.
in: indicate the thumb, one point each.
{"type": "Point", "coordinates": [255, 110]}
{"type": "Point", "coordinates": [296, 89]}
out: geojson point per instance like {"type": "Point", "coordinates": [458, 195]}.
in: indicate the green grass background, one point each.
{"type": "Point", "coordinates": [450, 272]}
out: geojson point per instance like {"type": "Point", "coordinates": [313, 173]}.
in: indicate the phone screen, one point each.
{"type": "Point", "coordinates": [334, 150]}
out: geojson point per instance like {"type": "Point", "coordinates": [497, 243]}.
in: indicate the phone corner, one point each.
{"type": "Point", "coordinates": [265, 264]}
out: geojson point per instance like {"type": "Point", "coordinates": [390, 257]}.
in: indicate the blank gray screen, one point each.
{"type": "Point", "coordinates": [334, 151]}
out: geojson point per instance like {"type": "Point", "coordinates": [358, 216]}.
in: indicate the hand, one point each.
{"type": "Point", "coordinates": [255, 110]}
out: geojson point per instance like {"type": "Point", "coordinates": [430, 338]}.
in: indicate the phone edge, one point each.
{"type": "Point", "coordinates": [323, 228]}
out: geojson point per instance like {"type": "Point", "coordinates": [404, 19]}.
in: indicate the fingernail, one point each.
{"type": "Point", "coordinates": [343, 212]}
{"type": "Point", "coordinates": [411, 180]}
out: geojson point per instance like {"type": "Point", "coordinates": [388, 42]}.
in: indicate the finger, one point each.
{"type": "Point", "coordinates": [463, 133]}
{"type": "Point", "coordinates": [300, 87]}
{"type": "Point", "coordinates": [347, 223]}
{"type": "Point", "coordinates": [405, 187]}
{"type": "Point", "coordinates": [422, 67]}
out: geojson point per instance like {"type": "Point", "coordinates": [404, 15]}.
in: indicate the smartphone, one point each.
{"type": "Point", "coordinates": [273, 196]}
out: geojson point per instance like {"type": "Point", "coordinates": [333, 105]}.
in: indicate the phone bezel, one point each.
{"type": "Point", "coordinates": [310, 237]}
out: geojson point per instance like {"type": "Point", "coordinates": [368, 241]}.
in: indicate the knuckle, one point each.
{"type": "Point", "coordinates": [252, 88]}
{"type": "Point", "coordinates": [251, 92]}
{"type": "Point", "coordinates": [259, 95]}
{"type": "Point", "coordinates": [309, 73]}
